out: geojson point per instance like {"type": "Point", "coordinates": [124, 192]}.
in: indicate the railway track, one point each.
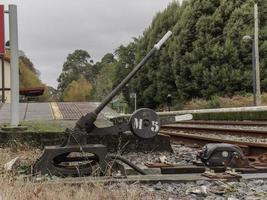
{"type": "Point", "coordinates": [240, 131]}
{"type": "Point", "coordinates": [221, 122]}
{"type": "Point", "coordinates": [253, 141]}
{"type": "Point", "coordinates": [152, 178]}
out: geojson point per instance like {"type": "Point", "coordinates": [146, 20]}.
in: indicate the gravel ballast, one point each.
{"type": "Point", "coordinates": [247, 190]}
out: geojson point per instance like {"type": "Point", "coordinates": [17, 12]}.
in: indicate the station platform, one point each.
{"type": "Point", "coordinates": [54, 111]}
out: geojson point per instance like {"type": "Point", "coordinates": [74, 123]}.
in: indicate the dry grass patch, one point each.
{"type": "Point", "coordinates": [14, 186]}
{"type": "Point", "coordinates": [224, 102]}
{"type": "Point", "coordinates": [27, 155]}
{"type": "Point", "coordinates": [11, 189]}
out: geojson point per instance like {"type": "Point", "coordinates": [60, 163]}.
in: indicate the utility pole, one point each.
{"type": "Point", "coordinates": [135, 104]}
{"type": "Point", "coordinates": [257, 60]}
{"type": "Point", "coordinates": [14, 62]}
{"type": "Point", "coordinates": [2, 48]}
{"type": "Point", "coordinates": [3, 78]}
{"type": "Point", "coordinates": [169, 102]}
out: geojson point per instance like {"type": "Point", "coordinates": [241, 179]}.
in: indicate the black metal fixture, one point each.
{"type": "Point", "coordinates": [77, 157]}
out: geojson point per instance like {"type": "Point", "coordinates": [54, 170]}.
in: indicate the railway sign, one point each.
{"type": "Point", "coordinates": [2, 30]}
{"type": "Point", "coordinates": [145, 123]}
{"type": "Point", "coordinates": [132, 95]}
{"type": "Point", "coordinates": [185, 117]}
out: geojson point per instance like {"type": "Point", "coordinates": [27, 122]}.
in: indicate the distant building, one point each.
{"type": "Point", "coordinates": [6, 88]}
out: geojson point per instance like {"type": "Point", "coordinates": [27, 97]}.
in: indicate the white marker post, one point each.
{"type": "Point", "coordinates": [14, 62]}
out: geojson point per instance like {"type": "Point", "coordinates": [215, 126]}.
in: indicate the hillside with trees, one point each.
{"type": "Point", "coordinates": [205, 57]}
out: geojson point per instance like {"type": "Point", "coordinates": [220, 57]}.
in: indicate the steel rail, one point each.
{"type": "Point", "coordinates": [223, 122]}
{"type": "Point", "coordinates": [250, 148]}
{"type": "Point", "coordinates": [236, 131]}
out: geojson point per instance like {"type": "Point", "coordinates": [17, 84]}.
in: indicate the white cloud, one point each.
{"type": "Point", "coordinates": [50, 30]}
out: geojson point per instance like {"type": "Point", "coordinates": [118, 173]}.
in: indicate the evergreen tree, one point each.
{"type": "Point", "coordinates": [205, 56]}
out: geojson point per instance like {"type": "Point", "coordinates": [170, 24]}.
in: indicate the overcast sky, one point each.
{"type": "Point", "coordinates": [51, 29]}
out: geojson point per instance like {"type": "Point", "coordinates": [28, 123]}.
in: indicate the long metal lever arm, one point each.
{"type": "Point", "coordinates": [88, 120]}
{"type": "Point", "coordinates": [132, 73]}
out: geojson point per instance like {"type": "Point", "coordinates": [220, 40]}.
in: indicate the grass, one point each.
{"type": "Point", "coordinates": [11, 189]}
{"type": "Point", "coordinates": [253, 116]}
{"type": "Point", "coordinates": [45, 126]}
{"type": "Point", "coordinates": [48, 126]}
{"type": "Point", "coordinates": [224, 102]}
{"type": "Point", "coordinates": [14, 186]}
{"type": "Point", "coordinates": [55, 125]}
{"type": "Point", "coordinates": [26, 154]}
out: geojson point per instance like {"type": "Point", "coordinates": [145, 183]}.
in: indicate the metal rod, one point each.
{"type": "Point", "coordinates": [135, 105]}
{"type": "Point", "coordinates": [254, 74]}
{"type": "Point", "coordinates": [131, 74]}
{"type": "Point", "coordinates": [87, 122]}
{"type": "Point", "coordinates": [3, 79]}
{"type": "Point", "coordinates": [124, 82]}
{"type": "Point", "coordinates": [256, 51]}
{"type": "Point", "coordinates": [14, 62]}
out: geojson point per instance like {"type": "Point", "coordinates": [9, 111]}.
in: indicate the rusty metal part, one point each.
{"type": "Point", "coordinates": [258, 161]}
{"type": "Point", "coordinates": [158, 165]}
{"type": "Point", "coordinates": [223, 122]}
{"type": "Point", "coordinates": [236, 131]}
{"type": "Point", "coordinates": [190, 169]}
{"type": "Point", "coordinates": [224, 175]}
{"type": "Point", "coordinates": [249, 148]}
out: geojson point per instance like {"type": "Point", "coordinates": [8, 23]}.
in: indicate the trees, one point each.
{"type": "Point", "coordinates": [80, 69]}
{"type": "Point", "coordinates": [78, 63]}
{"type": "Point", "coordinates": [105, 79]}
{"type": "Point", "coordinates": [28, 78]}
{"type": "Point", "coordinates": [205, 55]}
{"type": "Point", "coordinates": [78, 90]}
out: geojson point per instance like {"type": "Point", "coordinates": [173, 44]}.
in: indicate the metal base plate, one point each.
{"type": "Point", "coordinates": [56, 160]}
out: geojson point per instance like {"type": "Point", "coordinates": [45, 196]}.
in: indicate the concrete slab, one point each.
{"type": "Point", "coordinates": [74, 110]}
{"type": "Point", "coordinates": [217, 110]}
{"type": "Point", "coordinates": [38, 111]}
{"type": "Point", "coordinates": [86, 107]}
{"type": "Point", "coordinates": [5, 111]}
{"type": "Point", "coordinates": [54, 111]}
{"type": "Point", "coordinates": [69, 110]}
